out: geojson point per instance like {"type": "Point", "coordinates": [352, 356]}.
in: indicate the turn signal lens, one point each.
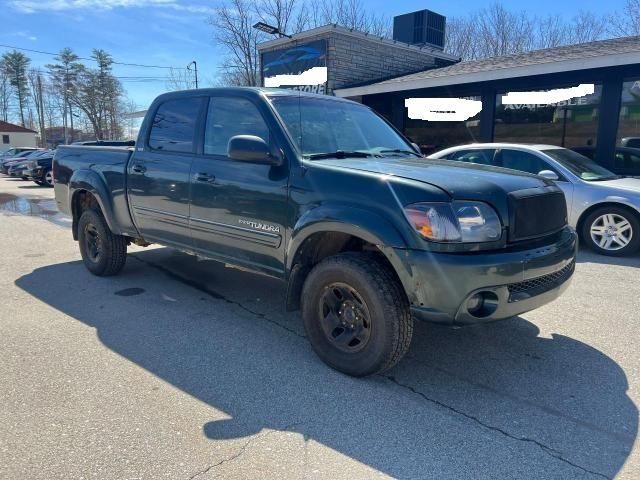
{"type": "Point", "coordinates": [435, 222]}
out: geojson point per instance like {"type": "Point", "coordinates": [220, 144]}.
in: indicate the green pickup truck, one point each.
{"type": "Point", "coordinates": [327, 196]}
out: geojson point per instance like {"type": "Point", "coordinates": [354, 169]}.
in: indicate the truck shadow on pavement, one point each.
{"type": "Point", "coordinates": [493, 401]}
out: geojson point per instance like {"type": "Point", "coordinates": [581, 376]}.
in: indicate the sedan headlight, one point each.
{"type": "Point", "coordinates": [465, 222]}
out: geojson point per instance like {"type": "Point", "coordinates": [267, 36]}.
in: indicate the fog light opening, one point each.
{"type": "Point", "coordinates": [482, 304]}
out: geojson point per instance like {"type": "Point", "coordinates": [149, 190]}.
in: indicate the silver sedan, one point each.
{"type": "Point", "coordinates": [603, 207]}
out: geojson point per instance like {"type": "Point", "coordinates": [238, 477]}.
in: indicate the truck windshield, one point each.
{"type": "Point", "coordinates": [325, 128]}
{"type": "Point", "coordinates": [581, 166]}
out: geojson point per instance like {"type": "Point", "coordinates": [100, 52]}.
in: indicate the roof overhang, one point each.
{"type": "Point", "coordinates": [586, 63]}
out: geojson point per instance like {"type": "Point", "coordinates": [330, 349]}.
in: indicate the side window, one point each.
{"type": "Point", "coordinates": [627, 160]}
{"type": "Point", "coordinates": [482, 157]}
{"type": "Point", "coordinates": [174, 125]}
{"type": "Point", "coordinates": [523, 161]}
{"type": "Point", "coordinates": [228, 117]}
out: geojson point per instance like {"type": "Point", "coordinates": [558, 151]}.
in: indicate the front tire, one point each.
{"type": "Point", "coordinates": [103, 253]}
{"type": "Point", "coordinates": [356, 314]}
{"type": "Point", "coordinates": [612, 231]}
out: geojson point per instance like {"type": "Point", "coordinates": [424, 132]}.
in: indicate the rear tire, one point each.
{"type": "Point", "coordinates": [103, 253]}
{"type": "Point", "coordinates": [48, 178]}
{"type": "Point", "coordinates": [612, 231]}
{"type": "Point", "coordinates": [356, 314]}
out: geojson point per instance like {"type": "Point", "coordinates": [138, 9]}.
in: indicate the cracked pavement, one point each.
{"type": "Point", "coordinates": [185, 369]}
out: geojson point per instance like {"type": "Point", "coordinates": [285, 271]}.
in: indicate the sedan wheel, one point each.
{"type": "Point", "coordinates": [612, 231]}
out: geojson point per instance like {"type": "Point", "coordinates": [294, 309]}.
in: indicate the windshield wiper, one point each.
{"type": "Point", "coordinates": [398, 150]}
{"type": "Point", "coordinates": [339, 154]}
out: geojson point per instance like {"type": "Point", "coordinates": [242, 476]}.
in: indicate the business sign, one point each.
{"type": "Point", "coordinates": [301, 67]}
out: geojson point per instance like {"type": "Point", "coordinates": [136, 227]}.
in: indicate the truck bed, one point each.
{"type": "Point", "coordinates": [73, 164]}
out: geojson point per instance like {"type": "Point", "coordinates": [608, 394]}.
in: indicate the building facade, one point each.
{"type": "Point", "coordinates": [348, 57]}
{"type": "Point", "coordinates": [584, 96]}
{"type": "Point", "coordinates": [15, 136]}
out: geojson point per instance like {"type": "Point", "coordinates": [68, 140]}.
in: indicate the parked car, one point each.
{"type": "Point", "coordinates": [40, 170]}
{"type": "Point", "coordinates": [603, 207]}
{"type": "Point", "coordinates": [8, 162]}
{"type": "Point", "coordinates": [18, 169]}
{"type": "Point", "coordinates": [14, 151]}
{"type": "Point", "coordinates": [324, 194]}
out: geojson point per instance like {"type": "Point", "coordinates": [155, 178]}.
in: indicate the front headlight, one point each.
{"type": "Point", "coordinates": [465, 222]}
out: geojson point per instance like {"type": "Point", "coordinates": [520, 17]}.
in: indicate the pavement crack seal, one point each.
{"type": "Point", "coordinates": [215, 294]}
{"type": "Point", "coordinates": [242, 450]}
{"type": "Point", "coordinates": [547, 450]}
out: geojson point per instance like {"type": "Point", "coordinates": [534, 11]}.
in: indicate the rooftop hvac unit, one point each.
{"type": "Point", "coordinates": [423, 27]}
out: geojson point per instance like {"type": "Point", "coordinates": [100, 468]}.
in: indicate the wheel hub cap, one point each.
{"type": "Point", "coordinates": [611, 232]}
{"type": "Point", "coordinates": [344, 317]}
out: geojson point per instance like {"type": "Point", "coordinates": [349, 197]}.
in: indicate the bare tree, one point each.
{"type": "Point", "coordinates": [551, 31]}
{"type": "Point", "coordinates": [626, 22]}
{"type": "Point", "coordinates": [179, 79]}
{"type": "Point", "coordinates": [501, 32]}
{"type": "Point", "coordinates": [233, 29]}
{"type": "Point", "coordinates": [36, 84]}
{"type": "Point", "coordinates": [279, 13]}
{"type": "Point", "coordinates": [460, 37]}
{"type": "Point", "coordinates": [586, 27]}
{"type": "Point", "coordinates": [497, 31]}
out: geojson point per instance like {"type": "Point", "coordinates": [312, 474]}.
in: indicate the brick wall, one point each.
{"type": "Point", "coordinates": [354, 58]}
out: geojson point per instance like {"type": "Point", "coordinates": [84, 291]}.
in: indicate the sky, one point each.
{"type": "Point", "coordinates": [172, 33]}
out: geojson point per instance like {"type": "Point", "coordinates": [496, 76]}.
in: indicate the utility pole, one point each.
{"type": "Point", "coordinates": [195, 70]}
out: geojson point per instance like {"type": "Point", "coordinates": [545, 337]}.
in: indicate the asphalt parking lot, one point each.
{"type": "Point", "coordinates": [184, 369]}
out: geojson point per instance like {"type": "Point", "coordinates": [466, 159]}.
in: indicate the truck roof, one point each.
{"type": "Point", "coordinates": [249, 92]}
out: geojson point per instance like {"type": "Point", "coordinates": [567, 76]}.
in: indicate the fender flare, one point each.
{"type": "Point", "coordinates": [90, 181]}
{"type": "Point", "coordinates": [358, 222]}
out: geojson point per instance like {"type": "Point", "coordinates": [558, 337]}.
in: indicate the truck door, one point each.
{"type": "Point", "coordinates": [238, 209]}
{"type": "Point", "coordinates": [158, 173]}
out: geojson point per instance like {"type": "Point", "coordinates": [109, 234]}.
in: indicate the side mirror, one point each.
{"type": "Point", "coordinates": [251, 149]}
{"type": "Point", "coordinates": [548, 174]}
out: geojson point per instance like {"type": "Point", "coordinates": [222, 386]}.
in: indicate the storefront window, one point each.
{"type": "Point", "coordinates": [438, 123]}
{"type": "Point", "coordinates": [566, 117]}
{"type": "Point", "coordinates": [627, 158]}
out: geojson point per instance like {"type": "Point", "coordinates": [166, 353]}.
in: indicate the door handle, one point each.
{"type": "Point", "coordinates": [204, 177]}
{"type": "Point", "coordinates": [138, 168]}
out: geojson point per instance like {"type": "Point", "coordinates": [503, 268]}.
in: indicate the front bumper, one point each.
{"type": "Point", "coordinates": [440, 285]}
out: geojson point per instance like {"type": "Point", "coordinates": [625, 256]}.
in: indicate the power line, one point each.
{"type": "Point", "coordinates": [91, 59]}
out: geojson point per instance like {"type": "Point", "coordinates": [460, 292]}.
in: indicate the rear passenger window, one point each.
{"type": "Point", "coordinates": [173, 128]}
{"type": "Point", "coordinates": [228, 117]}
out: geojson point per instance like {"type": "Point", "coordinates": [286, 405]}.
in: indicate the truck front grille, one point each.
{"type": "Point", "coordinates": [536, 286]}
{"type": "Point", "coordinates": [534, 214]}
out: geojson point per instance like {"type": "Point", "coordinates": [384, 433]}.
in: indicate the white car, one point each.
{"type": "Point", "coordinates": [603, 207]}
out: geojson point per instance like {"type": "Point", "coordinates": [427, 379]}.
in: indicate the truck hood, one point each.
{"type": "Point", "coordinates": [461, 181]}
